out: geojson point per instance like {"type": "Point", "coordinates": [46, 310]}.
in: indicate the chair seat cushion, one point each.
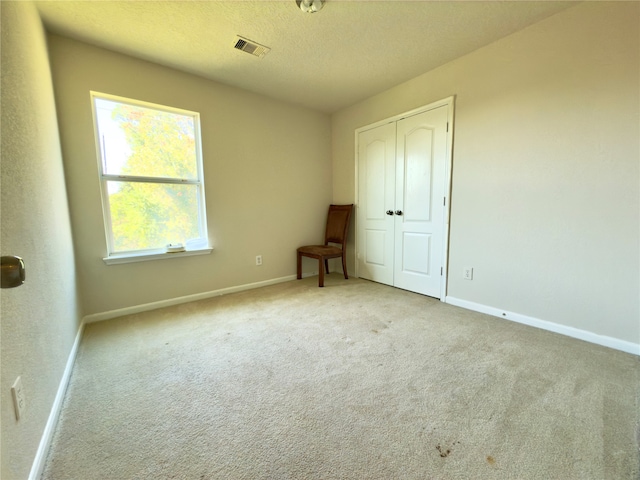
{"type": "Point", "coordinates": [320, 250]}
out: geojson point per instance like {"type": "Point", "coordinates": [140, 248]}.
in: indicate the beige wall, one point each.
{"type": "Point", "coordinates": [267, 177]}
{"type": "Point", "coordinates": [40, 319]}
{"type": "Point", "coordinates": [545, 199]}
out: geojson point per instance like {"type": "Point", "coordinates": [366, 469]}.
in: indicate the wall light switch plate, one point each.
{"type": "Point", "coordinates": [17, 393]}
{"type": "Point", "coordinates": [467, 273]}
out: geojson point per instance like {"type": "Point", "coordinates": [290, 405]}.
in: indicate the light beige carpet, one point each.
{"type": "Point", "coordinates": [353, 381]}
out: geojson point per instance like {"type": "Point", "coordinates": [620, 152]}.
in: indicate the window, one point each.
{"type": "Point", "coordinates": [151, 177]}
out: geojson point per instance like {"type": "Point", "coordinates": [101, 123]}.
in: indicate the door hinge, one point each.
{"type": "Point", "coordinates": [441, 270]}
{"type": "Point", "coordinates": [447, 126]}
{"type": "Point", "coordinates": [444, 201]}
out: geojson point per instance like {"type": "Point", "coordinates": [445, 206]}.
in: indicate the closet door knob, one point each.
{"type": "Point", "coordinates": [389, 212]}
{"type": "Point", "coordinates": [398, 212]}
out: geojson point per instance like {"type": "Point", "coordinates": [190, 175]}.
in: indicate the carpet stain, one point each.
{"type": "Point", "coordinates": [445, 452]}
{"type": "Point", "coordinates": [491, 460]}
{"type": "Point", "coordinates": [381, 326]}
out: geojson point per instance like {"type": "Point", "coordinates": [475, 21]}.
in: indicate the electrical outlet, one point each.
{"type": "Point", "coordinates": [19, 402]}
{"type": "Point", "coordinates": [258, 259]}
{"type": "Point", "coordinates": [467, 273]}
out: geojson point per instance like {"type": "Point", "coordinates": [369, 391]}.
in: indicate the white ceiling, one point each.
{"type": "Point", "coordinates": [327, 60]}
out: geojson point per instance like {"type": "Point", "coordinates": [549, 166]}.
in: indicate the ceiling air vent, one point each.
{"type": "Point", "coordinates": [251, 47]}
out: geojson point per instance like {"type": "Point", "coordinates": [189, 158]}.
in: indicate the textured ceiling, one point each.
{"type": "Point", "coordinates": [327, 60]}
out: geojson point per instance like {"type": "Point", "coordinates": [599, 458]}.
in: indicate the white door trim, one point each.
{"type": "Point", "coordinates": [450, 103]}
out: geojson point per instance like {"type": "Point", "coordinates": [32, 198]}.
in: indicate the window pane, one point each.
{"type": "Point", "coordinates": [142, 141]}
{"type": "Point", "coordinates": [151, 215]}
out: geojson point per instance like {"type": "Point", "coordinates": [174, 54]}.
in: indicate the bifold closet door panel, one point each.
{"type": "Point", "coordinates": [421, 147]}
{"type": "Point", "coordinates": [376, 196]}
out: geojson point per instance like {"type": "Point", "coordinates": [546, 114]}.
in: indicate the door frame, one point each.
{"type": "Point", "coordinates": [450, 103]}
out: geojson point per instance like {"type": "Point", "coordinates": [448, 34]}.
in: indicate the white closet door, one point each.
{"type": "Point", "coordinates": [376, 196]}
{"type": "Point", "coordinates": [421, 150]}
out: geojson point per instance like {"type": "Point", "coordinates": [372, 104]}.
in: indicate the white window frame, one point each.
{"type": "Point", "coordinates": [112, 257]}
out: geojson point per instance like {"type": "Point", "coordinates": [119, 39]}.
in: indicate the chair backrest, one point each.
{"type": "Point", "coordinates": [338, 224]}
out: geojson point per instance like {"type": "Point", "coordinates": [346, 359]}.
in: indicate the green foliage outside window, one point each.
{"type": "Point", "coordinates": [147, 215]}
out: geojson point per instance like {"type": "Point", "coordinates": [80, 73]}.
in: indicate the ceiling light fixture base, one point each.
{"type": "Point", "coordinates": [310, 6]}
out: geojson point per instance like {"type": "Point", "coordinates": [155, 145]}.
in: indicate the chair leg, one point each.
{"type": "Point", "coordinates": [299, 266]}
{"type": "Point", "coordinates": [344, 267]}
{"type": "Point", "coordinates": [326, 265]}
{"type": "Point", "coordinates": [321, 273]}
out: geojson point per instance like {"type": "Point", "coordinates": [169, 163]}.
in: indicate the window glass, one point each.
{"type": "Point", "coordinates": [141, 141]}
{"type": "Point", "coordinates": [151, 215]}
{"type": "Point", "coordinates": [151, 175]}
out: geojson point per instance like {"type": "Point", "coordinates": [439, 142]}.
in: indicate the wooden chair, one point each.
{"type": "Point", "coordinates": [336, 232]}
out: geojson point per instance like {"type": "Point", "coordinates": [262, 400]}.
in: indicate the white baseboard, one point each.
{"type": "Point", "coordinates": [97, 317]}
{"type": "Point", "coordinates": [585, 335]}
{"type": "Point", "coordinates": [45, 442]}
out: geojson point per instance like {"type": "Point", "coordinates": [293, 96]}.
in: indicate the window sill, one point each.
{"type": "Point", "coordinates": [160, 255]}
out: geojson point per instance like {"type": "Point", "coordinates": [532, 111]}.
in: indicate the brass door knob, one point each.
{"type": "Point", "coordinates": [11, 272]}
